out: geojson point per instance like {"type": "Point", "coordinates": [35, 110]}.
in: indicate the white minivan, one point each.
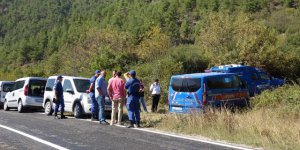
{"type": "Point", "coordinates": [27, 92]}
{"type": "Point", "coordinates": [76, 99]}
{"type": "Point", "coordinates": [5, 86]}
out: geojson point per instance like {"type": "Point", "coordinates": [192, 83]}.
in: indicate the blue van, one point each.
{"type": "Point", "coordinates": [256, 79]}
{"type": "Point", "coordinates": [193, 92]}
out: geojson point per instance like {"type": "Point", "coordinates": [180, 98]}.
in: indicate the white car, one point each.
{"type": "Point", "coordinates": [76, 99]}
{"type": "Point", "coordinates": [5, 86]}
{"type": "Point", "coordinates": [27, 92]}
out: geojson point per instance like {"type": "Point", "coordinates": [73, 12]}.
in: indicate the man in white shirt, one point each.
{"type": "Point", "coordinates": [155, 91]}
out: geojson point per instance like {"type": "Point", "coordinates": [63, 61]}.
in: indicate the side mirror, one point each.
{"type": "Point", "coordinates": [70, 91]}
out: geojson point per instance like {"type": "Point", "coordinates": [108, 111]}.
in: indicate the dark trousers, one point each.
{"type": "Point", "coordinates": [155, 101]}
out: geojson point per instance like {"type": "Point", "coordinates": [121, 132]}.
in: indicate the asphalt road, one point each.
{"type": "Point", "coordinates": [78, 135]}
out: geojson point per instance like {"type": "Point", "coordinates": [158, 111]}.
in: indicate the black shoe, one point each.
{"type": "Point", "coordinates": [130, 126]}
{"type": "Point", "coordinates": [104, 122]}
{"type": "Point", "coordinates": [63, 117]}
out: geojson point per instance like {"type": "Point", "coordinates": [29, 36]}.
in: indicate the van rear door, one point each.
{"type": "Point", "coordinates": [184, 94]}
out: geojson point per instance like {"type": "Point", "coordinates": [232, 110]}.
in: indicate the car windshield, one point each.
{"type": "Point", "coordinates": [82, 84]}
{"type": "Point", "coordinates": [186, 84]}
{"type": "Point", "coordinates": [223, 82]}
{"type": "Point", "coordinates": [7, 87]}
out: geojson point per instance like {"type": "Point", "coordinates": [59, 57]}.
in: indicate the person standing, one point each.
{"type": "Point", "coordinates": [100, 93]}
{"type": "Point", "coordinates": [133, 87]}
{"type": "Point", "coordinates": [91, 92]}
{"type": "Point", "coordinates": [116, 92]}
{"type": "Point", "coordinates": [142, 94]}
{"type": "Point", "coordinates": [114, 74]}
{"type": "Point", "coordinates": [155, 91]}
{"type": "Point", "coordinates": [59, 98]}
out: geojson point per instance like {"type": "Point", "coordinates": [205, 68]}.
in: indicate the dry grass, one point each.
{"type": "Point", "coordinates": [260, 128]}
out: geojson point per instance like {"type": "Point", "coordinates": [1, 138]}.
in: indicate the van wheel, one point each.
{"type": "Point", "coordinates": [77, 110]}
{"type": "Point", "coordinates": [5, 107]}
{"type": "Point", "coordinates": [48, 108]}
{"type": "Point", "coordinates": [20, 106]}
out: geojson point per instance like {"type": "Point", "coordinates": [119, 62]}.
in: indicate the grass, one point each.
{"type": "Point", "coordinates": [272, 123]}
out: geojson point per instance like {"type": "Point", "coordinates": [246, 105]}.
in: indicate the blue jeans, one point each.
{"type": "Point", "coordinates": [101, 104]}
{"type": "Point", "coordinates": [133, 107]}
{"type": "Point", "coordinates": [61, 103]}
{"type": "Point", "coordinates": [142, 100]}
{"type": "Point", "coordinates": [95, 107]}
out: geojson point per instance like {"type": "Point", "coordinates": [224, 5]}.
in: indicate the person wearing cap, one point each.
{"type": "Point", "coordinates": [91, 92]}
{"type": "Point", "coordinates": [100, 94]}
{"type": "Point", "coordinates": [59, 98]}
{"type": "Point", "coordinates": [133, 105]}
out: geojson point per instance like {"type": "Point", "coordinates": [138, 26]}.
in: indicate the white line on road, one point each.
{"type": "Point", "coordinates": [34, 138]}
{"type": "Point", "coordinates": [193, 139]}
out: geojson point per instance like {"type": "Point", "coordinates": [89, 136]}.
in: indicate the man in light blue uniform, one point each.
{"type": "Point", "coordinates": [91, 91]}
{"type": "Point", "coordinates": [100, 93]}
{"type": "Point", "coordinates": [59, 98]}
{"type": "Point", "coordinates": [133, 104]}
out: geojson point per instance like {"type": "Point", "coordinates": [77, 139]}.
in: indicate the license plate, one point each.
{"type": "Point", "coordinates": [177, 108]}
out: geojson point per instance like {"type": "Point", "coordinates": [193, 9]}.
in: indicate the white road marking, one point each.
{"type": "Point", "coordinates": [34, 138]}
{"type": "Point", "coordinates": [193, 139]}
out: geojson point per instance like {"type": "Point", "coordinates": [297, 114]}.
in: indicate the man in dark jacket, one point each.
{"type": "Point", "coordinates": [59, 98]}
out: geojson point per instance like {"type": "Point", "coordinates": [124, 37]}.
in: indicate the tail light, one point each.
{"type": "Point", "coordinates": [26, 90]}
{"type": "Point", "coordinates": [204, 95]}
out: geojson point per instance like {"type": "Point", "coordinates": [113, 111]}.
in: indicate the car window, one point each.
{"type": "Point", "coordinates": [254, 76]}
{"type": "Point", "coordinates": [19, 84]}
{"type": "Point", "coordinates": [50, 84]}
{"type": "Point", "coordinates": [186, 84]}
{"type": "Point", "coordinates": [36, 87]}
{"type": "Point", "coordinates": [223, 82]}
{"type": "Point", "coordinates": [82, 84]}
{"type": "Point", "coordinates": [7, 86]}
{"type": "Point", "coordinates": [264, 76]}
{"type": "Point", "coordinates": [67, 85]}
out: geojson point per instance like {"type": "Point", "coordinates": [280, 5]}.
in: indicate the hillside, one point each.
{"type": "Point", "coordinates": [156, 37]}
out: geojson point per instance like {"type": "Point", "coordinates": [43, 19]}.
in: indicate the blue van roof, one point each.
{"type": "Point", "coordinates": [200, 75]}
{"type": "Point", "coordinates": [228, 67]}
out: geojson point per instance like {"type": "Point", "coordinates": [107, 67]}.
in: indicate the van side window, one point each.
{"type": "Point", "coordinates": [19, 84]}
{"type": "Point", "coordinates": [264, 76]}
{"type": "Point", "coordinates": [67, 85]}
{"type": "Point", "coordinates": [254, 76]}
{"type": "Point", "coordinates": [50, 84]}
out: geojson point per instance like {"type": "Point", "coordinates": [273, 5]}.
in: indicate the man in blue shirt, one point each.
{"type": "Point", "coordinates": [59, 98]}
{"type": "Point", "coordinates": [133, 105]}
{"type": "Point", "coordinates": [100, 93]}
{"type": "Point", "coordinates": [91, 91]}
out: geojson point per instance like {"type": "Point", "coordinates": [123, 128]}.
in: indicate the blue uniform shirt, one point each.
{"type": "Point", "coordinates": [130, 86]}
{"type": "Point", "coordinates": [100, 82]}
{"type": "Point", "coordinates": [93, 80]}
{"type": "Point", "coordinates": [58, 88]}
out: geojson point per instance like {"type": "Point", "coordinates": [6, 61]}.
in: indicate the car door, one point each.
{"type": "Point", "coordinates": [12, 97]}
{"type": "Point", "coordinates": [68, 95]}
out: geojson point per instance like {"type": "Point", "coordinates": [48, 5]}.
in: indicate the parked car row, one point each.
{"type": "Point", "coordinates": [37, 92]}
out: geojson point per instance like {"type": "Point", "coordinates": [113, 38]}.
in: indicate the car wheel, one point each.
{"type": "Point", "coordinates": [77, 110]}
{"type": "Point", "coordinates": [20, 107]}
{"type": "Point", "coordinates": [5, 106]}
{"type": "Point", "coordinates": [48, 108]}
